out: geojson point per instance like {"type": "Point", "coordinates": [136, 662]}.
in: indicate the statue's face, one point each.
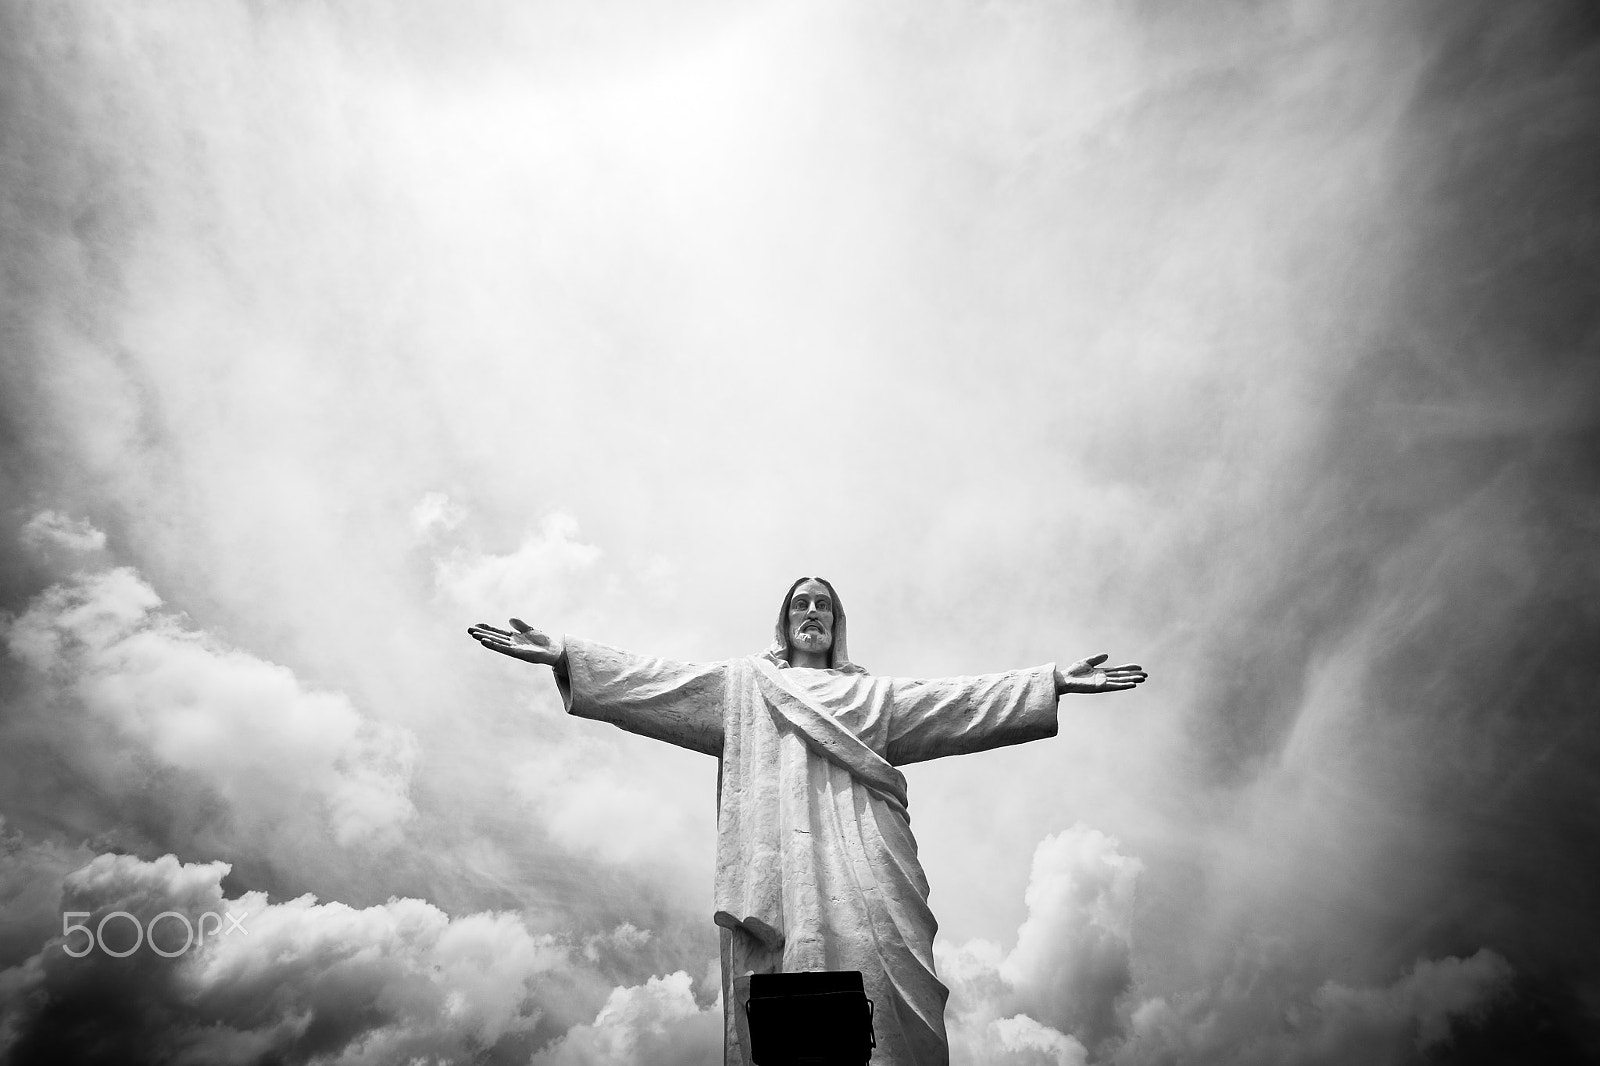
{"type": "Point", "coordinates": [811, 617]}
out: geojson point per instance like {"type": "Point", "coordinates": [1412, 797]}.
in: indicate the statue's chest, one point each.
{"type": "Point", "coordinates": [860, 704]}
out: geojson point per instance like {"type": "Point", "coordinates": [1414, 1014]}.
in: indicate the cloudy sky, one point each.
{"type": "Point", "coordinates": [1258, 342]}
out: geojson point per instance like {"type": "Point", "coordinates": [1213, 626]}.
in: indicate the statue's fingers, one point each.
{"type": "Point", "coordinates": [1096, 660]}
{"type": "Point", "coordinates": [527, 632]}
{"type": "Point", "coordinates": [486, 628]}
{"type": "Point", "coordinates": [1125, 667]}
{"type": "Point", "coordinates": [1117, 686]}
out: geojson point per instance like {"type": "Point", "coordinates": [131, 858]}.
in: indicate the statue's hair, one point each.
{"type": "Point", "coordinates": [781, 632]}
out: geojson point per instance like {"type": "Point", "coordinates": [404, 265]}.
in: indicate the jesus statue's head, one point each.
{"type": "Point", "coordinates": [811, 624]}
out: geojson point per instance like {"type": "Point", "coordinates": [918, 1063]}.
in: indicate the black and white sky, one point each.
{"type": "Point", "coordinates": [1257, 341]}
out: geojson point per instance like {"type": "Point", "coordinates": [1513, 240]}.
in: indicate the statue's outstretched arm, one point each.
{"type": "Point", "coordinates": [1087, 675]}
{"type": "Point", "coordinates": [522, 641]}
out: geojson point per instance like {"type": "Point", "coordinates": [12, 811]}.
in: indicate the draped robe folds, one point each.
{"type": "Point", "coordinates": [816, 865]}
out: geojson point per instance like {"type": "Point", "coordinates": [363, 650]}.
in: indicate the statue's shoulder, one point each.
{"type": "Point", "coordinates": [751, 664]}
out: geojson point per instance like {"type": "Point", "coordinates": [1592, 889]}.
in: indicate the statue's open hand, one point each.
{"type": "Point", "coordinates": [521, 641]}
{"type": "Point", "coordinates": [1088, 675]}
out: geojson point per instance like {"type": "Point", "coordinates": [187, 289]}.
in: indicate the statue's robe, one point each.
{"type": "Point", "coordinates": [816, 865]}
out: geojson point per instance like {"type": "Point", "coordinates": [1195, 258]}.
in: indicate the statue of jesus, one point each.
{"type": "Point", "coordinates": [816, 865]}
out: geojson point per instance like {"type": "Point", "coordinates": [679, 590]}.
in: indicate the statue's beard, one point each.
{"type": "Point", "coordinates": [811, 640]}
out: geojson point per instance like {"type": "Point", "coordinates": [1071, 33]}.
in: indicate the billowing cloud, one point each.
{"type": "Point", "coordinates": [1056, 993]}
{"type": "Point", "coordinates": [656, 1022]}
{"type": "Point", "coordinates": [242, 980]}
{"type": "Point", "coordinates": [546, 569]}
{"type": "Point", "coordinates": [117, 685]}
{"type": "Point", "coordinates": [1023, 1041]}
{"type": "Point", "coordinates": [1074, 955]}
{"type": "Point", "coordinates": [1054, 996]}
{"type": "Point", "coordinates": [556, 577]}
{"type": "Point", "coordinates": [625, 938]}
{"type": "Point", "coordinates": [291, 981]}
{"type": "Point", "coordinates": [52, 528]}
{"type": "Point", "coordinates": [1066, 992]}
